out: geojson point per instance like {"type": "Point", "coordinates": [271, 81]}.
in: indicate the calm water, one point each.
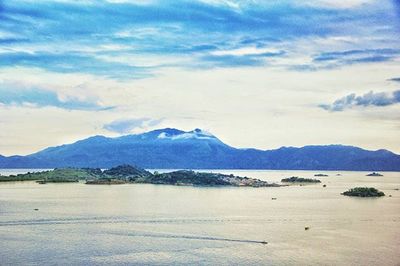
{"type": "Point", "coordinates": [78, 224]}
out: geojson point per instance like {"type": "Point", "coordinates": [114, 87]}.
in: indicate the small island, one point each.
{"type": "Point", "coordinates": [320, 175]}
{"type": "Point", "coordinates": [296, 179]}
{"type": "Point", "coordinates": [127, 174]}
{"type": "Point", "coordinates": [374, 174]}
{"type": "Point", "coordinates": [363, 192]}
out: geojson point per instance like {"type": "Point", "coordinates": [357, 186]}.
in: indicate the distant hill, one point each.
{"type": "Point", "coordinates": [197, 149]}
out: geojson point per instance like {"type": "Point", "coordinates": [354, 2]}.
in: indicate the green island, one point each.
{"type": "Point", "coordinates": [320, 175]}
{"type": "Point", "coordinates": [374, 174]}
{"type": "Point", "coordinates": [296, 179]}
{"type": "Point", "coordinates": [57, 175]}
{"type": "Point", "coordinates": [126, 174]}
{"type": "Point", "coordinates": [363, 192]}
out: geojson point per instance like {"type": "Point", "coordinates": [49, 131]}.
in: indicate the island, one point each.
{"type": "Point", "coordinates": [363, 192]}
{"type": "Point", "coordinates": [131, 174]}
{"type": "Point", "coordinates": [374, 174]}
{"type": "Point", "coordinates": [320, 175]}
{"type": "Point", "coordinates": [296, 179]}
{"type": "Point", "coordinates": [191, 178]}
{"type": "Point", "coordinates": [57, 175]}
{"type": "Point", "coordinates": [127, 174]}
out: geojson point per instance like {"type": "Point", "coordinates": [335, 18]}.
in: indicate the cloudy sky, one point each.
{"type": "Point", "coordinates": [260, 74]}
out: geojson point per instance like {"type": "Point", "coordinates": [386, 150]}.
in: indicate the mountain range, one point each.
{"type": "Point", "coordinates": [176, 149]}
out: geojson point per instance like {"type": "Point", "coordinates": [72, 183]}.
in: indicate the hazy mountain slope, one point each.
{"type": "Point", "coordinates": [172, 148]}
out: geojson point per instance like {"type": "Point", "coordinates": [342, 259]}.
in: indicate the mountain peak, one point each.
{"type": "Point", "coordinates": [168, 130]}
{"type": "Point", "coordinates": [178, 134]}
{"type": "Point", "coordinates": [171, 134]}
{"type": "Point", "coordinates": [201, 132]}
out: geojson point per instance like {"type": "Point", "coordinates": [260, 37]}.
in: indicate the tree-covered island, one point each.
{"type": "Point", "coordinates": [374, 174]}
{"type": "Point", "coordinates": [296, 179]}
{"type": "Point", "coordinates": [129, 174]}
{"type": "Point", "coordinates": [364, 192]}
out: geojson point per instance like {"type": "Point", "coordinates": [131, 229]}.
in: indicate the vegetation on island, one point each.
{"type": "Point", "coordinates": [320, 175]}
{"type": "Point", "coordinates": [296, 179]}
{"type": "Point", "coordinates": [374, 174]}
{"type": "Point", "coordinates": [20, 177]}
{"type": "Point", "coordinates": [126, 170]}
{"type": "Point", "coordinates": [105, 181]}
{"type": "Point", "coordinates": [56, 180]}
{"type": "Point", "coordinates": [129, 174]}
{"type": "Point", "coordinates": [57, 175]}
{"type": "Point", "coordinates": [186, 177]}
{"type": "Point", "coordinates": [363, 192]}
{"type": "Point", "coordinates": [132, 174]}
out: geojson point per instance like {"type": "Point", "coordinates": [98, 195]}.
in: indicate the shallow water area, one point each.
{"type": "Point", "coordinates": [78, 224]}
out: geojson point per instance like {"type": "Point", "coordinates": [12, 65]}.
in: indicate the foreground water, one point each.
{"type": "Point", "coordinates": [79, 224]}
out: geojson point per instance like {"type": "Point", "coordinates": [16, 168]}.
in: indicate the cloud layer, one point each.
{"type": "Point", "coordinates": [135, 39]}
{"type": "Point", "coordinates": [124, 126]}
{"type": "Point", "coordinates": [34, 97]}
{"type": "Point", "coordinates": [368, 99]}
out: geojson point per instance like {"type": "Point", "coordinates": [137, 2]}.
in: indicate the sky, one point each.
{"type": "Point", "coordinates": [260, 74]}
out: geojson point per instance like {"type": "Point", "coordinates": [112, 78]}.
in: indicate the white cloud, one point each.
{"type": "Point", "coordinates": [196, 134]}
{"type": "Point", "coordinates": [245, 51]}
{"type": "Point", "coordinates": [338, 4]}
{"type": "Point", "coordinates": [245, 107]}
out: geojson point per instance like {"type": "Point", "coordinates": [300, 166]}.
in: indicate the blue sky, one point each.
{"type": "Point", "coordinates": [85, 36]}
{"type": "Point", "coordinates": [125, 66]}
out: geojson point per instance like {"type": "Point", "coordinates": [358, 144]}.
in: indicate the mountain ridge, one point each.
{"type": "Point", "coordinates": [172, 148]}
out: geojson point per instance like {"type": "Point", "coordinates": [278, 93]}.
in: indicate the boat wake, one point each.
{"type": "Point", "coordinates": [182, 236]}
{"type": "Point", "coordinates": [136, 233]}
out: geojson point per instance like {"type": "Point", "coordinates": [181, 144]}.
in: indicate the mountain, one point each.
{"type": "Point", "coordinates": [197, 149]}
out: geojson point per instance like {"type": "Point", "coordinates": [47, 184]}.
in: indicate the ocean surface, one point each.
{"type": "Point", "coordinates": [140, 224]}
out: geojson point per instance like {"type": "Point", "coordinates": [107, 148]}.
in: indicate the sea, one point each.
{"type": "Point", "coordinates": [143, 224]}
